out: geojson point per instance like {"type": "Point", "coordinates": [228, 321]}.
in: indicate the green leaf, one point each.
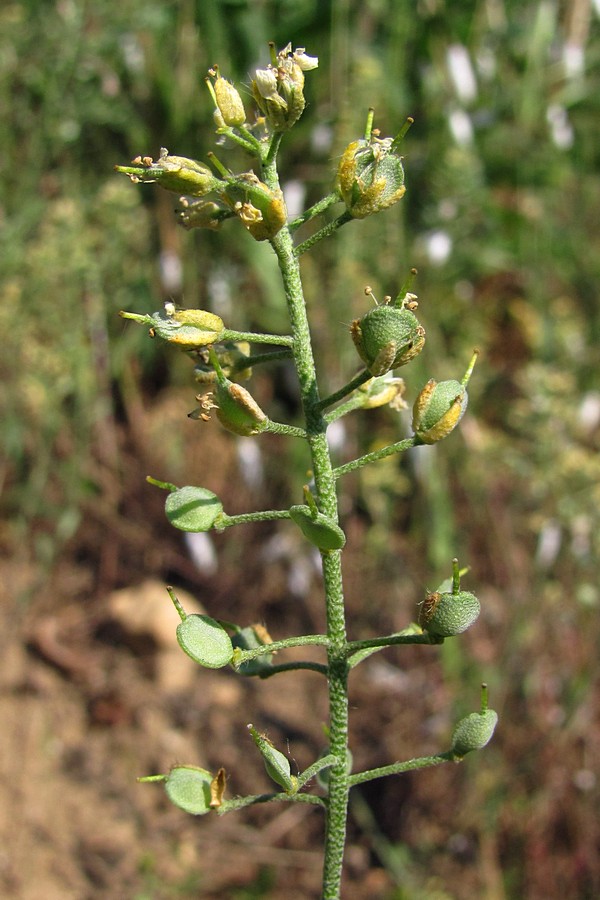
{"type": "Point", "coordinates": [205, 641]}
{"type": "Point", "coordinates": [193, 509]}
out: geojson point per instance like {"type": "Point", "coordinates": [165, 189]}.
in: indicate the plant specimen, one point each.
{"type": "Point", "coordinates": [370, 178]}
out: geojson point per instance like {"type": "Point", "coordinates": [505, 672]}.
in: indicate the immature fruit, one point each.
{"type": "Point", "coordinates": [440, 406]}
{"type": "Point", "coordinates": [447, 614]}
{"type": "Point", "coordinates": [438, 409]}
{"type": "Point", "coordinates": [189, 329]}
{"type": "Point", "coordinates": [174, 173]}
{"type": "Point", "coordinates": [237, 410]}
{"type": "Point", "coordinates": [474, 732]}
{"type": "Point", "coordinates": [188, 787]}
{"type": "Point", "coordinates": [276, 763]}
{"type": "Point", "coordinates": [193, 509]}
{"type": "Point", "coordinates": [370, 176]}
{"type": "Point", "coordinates": [205, 641]}
{"type": "Point", "coordinates": [318, 528]}
{"type": "Point", "coordinates": [387, 337]}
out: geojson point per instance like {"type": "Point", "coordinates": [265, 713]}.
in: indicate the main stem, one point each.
{"type": "Point", "coordinates": [316, 426]}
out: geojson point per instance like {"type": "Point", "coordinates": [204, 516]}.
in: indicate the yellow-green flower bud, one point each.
{"type": "Point", "coordinates": [174, 173]}
{"type": "Point", "coordinates": [188, 328]}
{"type": "Point", "coordinates": [440, 406]}
{"type": "Point", "coordinates": [370, 176]}
{"type": "Point", "coordinates": [229, 102]}
{"type": "Point", "coordinates": [474, 732]}
{"type": "Point", "coordinates": [446, 614]}
{"type": "Point", "coordinates": [387, 337]}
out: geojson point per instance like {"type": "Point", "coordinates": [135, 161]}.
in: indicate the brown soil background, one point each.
{"type": "Point", "coordinates": [95, 693]}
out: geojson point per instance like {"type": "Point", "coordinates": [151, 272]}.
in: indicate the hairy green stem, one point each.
{"type": "Point", "coordinates": [305, 640]}
{"type": "Point", "coordinates": [324, 232]}
{"type": "Point", "coordinates": [265, 515]}
{"type": "Point", "coordinates": [252, 799]}
{"type": "Point", "coordinates": [422, 762]}
{"type": "Point", "coordinates": [315, 210]}
{"type": "Point", "coordinates": [337, 801]}
{"type": "Point", "coordinates": [257, 338]}
{"type": "Point", "coordinates": [399, 447]}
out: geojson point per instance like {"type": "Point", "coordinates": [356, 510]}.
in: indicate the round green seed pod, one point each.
{"type": "Point", "coordinates": [192, 508]}
{"type": "Point", "coordinates": [318, 528]}
{"type": "Point", "coordinates": [387, 337]}
{"type": "Point", "coordinates": [474, 732]}
{"type": "Point", "coordinates": [205, 641]}
{"type": "Point", "coordinates": [445, 615]}
{"type": "Point", "coordinates": [188, 787]}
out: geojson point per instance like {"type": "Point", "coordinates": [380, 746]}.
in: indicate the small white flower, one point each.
{"type": "Point", "coordinates": [266, 82]}
{"type": "Point", "coordinates": [305, 62]}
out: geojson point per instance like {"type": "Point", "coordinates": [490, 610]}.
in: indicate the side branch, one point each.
{"type": "Point", "coordinates": [360, 378]}
{"type": "Point", "coordinates": [323, 233]}
{"type": "Point", "coordinates": [399, 447]}
{"type": "Point", "coordinates": [252, 799]}
{"type": "Point", "coordinates": [315, 210]}
{"type": "Point", "coordinates": [305, 640]}
{"type": "Point", "coordinates": [422, 762]}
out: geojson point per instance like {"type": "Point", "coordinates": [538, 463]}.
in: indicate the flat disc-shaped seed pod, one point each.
{"type": "Point", "coordinates": [318, 528]}
{"type": "Point", "coordinates": [193, 508]}
{"type": "Point", "coordinates": [205, 641]}
{"type": "Point", "coordinates": [188, 787]}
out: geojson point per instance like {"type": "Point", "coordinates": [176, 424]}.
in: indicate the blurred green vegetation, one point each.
{"type": "Point", "coordinates": [500, 217]}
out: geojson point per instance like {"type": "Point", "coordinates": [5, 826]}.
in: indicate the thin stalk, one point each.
{"type": "Point", "coordinates": [315, 210]}
{"type": "Point", "coordinates": [360, 378]}
{"type": "Point", "coordinates": [422, 762]}
{"type": "Point", "coordinates": [340, 411]}
{"type": "Point", "coordinates": [324, 232]}
{"type": "Point", "coordinates": [255, 337]}
{"type": "Point", "coordinates": [305, 640]}
{"type": "Point", "coordinates": [293, 667]}
{"type": "Point", "coordinates": [258, 358]}
{"type": "Point", "coordinates": [399, 447]}
{"type": "Point", "coordinates": [272, 427]}
{"type": "Point", "coordinates": [252, 799]}
{"type": "Point", "coordinates": [264, 515]}
{"type": "Point", "coordinates": [337, 802]}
